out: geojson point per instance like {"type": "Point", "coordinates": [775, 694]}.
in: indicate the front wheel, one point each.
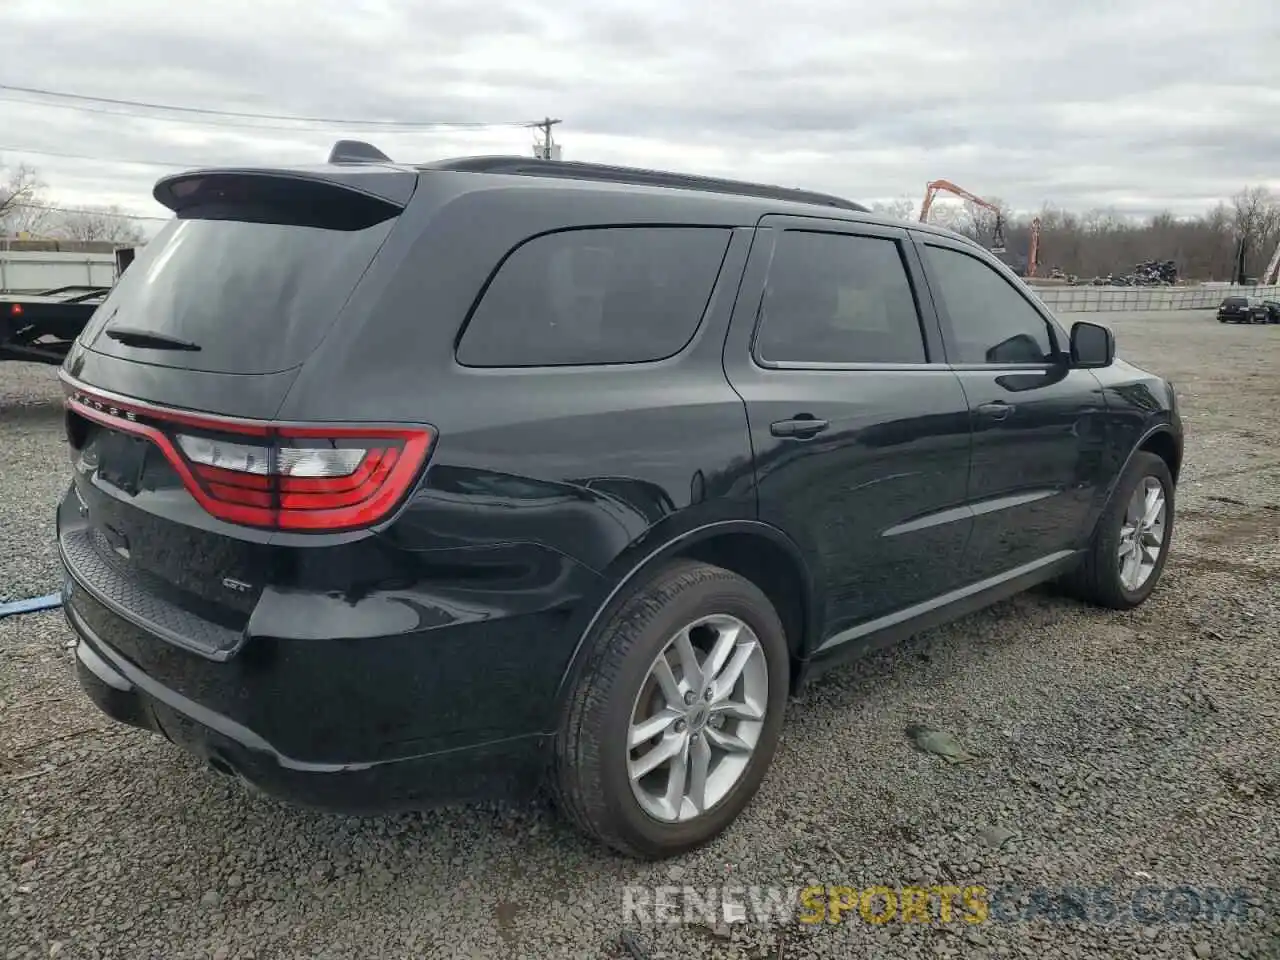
{"type": "Point", "coordinates": [1131, 542]}
{"type": "Point", "coordinates": [676, 715]}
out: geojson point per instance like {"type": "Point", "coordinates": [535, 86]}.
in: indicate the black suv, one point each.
{"type": "Point", "coordinates": [399, 484]}
{"type": "Point", "coordinates": [1243, 310]}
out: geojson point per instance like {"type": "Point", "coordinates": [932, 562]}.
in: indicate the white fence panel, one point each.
{"type": "Point", "coordinates": [24, 272]}
{"type": "Point", "coordinates": [1106, 299]}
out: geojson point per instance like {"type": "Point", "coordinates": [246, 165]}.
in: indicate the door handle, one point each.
{"type": "Point", "coordinates": [996, 410]}
{"type": "Point", "coordinates": [801, 428]}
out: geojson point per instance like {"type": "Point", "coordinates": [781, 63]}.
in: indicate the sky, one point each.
{"type": "Point", "coordinates": [1133, 105]}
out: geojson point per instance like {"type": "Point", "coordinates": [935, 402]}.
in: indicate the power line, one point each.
{"type": "Point", "coordinates": [81, 156]}
{"type": "Point", "coordinates": [390, 127]}
{"type": "Point", "coordinates": [209, 112]}
{"type": "Point", "coordinates": [224, 124]}
{"type": "Point", "coordinates": [53, 208]}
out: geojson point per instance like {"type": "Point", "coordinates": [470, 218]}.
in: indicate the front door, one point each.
{"type": "Point", "coordinates": [1038, 425]}
{"type": "Point", "coordinates": [859, 429]}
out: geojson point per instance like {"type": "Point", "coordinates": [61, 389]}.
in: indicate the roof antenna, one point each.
{"type": "Point", "coordinates": [356, 151]}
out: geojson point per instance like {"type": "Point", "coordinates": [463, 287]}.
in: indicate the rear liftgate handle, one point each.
{"type": "Point", "coordinates": [801, 427]}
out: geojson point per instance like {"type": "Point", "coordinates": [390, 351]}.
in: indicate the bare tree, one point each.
{"type": "Point", "coordinates": [1102, 241]}
{"type": "Point", "coordinates": [1255, 216]}
{"type": "Point", "coordinates": [109, 224]}
{"type": "Point", "coordinates": [902, 208]}
{"type": "Point", "coordinates": [20, 193]}
{"type": "Point", "coordinates": [1255, 210]}
{"type": "Point", "coordinates": [952, 216]}
{"type": "Point", "coordinates": [980, 222]}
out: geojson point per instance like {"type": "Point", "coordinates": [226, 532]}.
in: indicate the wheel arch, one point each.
{"type": "Point", "coordinates": [1158, 438]}
{"type": "Point", "coordinates": [1161, 441]}
{"type": "Point", "coordinates": [757, 551]}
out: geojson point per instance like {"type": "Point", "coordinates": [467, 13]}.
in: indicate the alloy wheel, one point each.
{"type": "Point", "coordinates": [1142, 534]}
{"type": "Point", "coordinates": [697, 718]}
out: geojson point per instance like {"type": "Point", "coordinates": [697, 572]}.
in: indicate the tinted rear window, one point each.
{"type": "Point", "coordinates": [600, 295]}
{"type": "Point", "coordinates": [255, 297]}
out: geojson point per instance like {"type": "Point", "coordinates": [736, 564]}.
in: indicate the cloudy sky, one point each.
{"type": "Point", "coordinates": [1134, 104]}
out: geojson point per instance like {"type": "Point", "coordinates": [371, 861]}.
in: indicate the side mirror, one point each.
{"type": "Point", "coordinates": [1092, 345]}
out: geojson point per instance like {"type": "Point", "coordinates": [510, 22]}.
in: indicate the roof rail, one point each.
{"type": "Point", "coordinates": [356, 151]}
{"type": "Point", "coordinates": [574, 170]}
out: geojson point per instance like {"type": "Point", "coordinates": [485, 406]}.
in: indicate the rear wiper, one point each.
{"type": "Point", "coordinates": [133, 337]}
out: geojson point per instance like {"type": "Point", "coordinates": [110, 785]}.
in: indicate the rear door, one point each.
{"type": "Point", "coordinates": [860, 431]}
{"type": "Point", "coordinates": [1038, 425]}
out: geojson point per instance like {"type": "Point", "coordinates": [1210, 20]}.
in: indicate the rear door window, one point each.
{"type": "Point", "coordinates": [597, 295]}
{"type": "Point", "coordinates": [255, 298]}
{"type": "Point", "coordinates": [838, 298]}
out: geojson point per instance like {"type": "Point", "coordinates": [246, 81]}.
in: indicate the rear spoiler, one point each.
{"type": "Point", "coordinates": [335, 196]}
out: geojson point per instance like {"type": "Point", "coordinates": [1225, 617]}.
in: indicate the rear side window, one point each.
{"type": "Point", "coordinates": [838, 298]}
{"type": "Point", "coordinates": [600, 295]}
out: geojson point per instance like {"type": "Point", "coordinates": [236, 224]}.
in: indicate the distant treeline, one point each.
{"type": "Point", "coordinates": [1098, 243]}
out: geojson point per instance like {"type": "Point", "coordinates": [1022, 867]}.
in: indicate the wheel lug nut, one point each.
{"type": "Point", "coordinates": [689, 697]}
{"type": "Point", "coordinates": [707, 695]}
{"type": "Point", "coordinates": [680, 726]}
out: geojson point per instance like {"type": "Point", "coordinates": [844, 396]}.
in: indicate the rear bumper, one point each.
{"type": "Point", "coordinates": [511, 768]}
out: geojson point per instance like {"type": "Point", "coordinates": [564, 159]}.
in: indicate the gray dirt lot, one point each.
{"type": "Point", "coordinates": [1121, 749]}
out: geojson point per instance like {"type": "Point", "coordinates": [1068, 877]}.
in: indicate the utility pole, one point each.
{"type": "Point", "coordinates": [1242, 254]}
{"type": "Point", "coordinates": [544, 150]}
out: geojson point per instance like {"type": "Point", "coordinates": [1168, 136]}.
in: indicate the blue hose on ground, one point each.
{"type": "Point", "coordinates": [31, 605]}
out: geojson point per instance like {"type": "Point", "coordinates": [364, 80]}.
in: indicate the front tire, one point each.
{"type": "Point", "coordinates": [676, 715]}
{"type": "Point", "coordinates": [1131, 542]}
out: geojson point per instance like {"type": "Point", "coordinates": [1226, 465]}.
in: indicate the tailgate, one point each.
{"type": "Point", "coordinates": [183, 369]}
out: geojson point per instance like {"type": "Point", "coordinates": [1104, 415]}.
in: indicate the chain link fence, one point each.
{"type": "Point", "coordinates": [1104, 299]}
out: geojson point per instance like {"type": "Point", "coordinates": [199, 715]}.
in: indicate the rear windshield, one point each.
{"type": "Point", "coordinates": [1236, 301]}
{"type": "Point", "coordinates": [254, 297]}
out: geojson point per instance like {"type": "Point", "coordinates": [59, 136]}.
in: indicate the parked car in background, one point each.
{"type": "Point", "coordinates": [1242, 310]}
{"type": "Point", "coordinates": [456, 479]}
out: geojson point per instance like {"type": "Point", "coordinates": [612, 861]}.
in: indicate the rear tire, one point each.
{"type": "Point", "coordinates": [637, 678]}
{"type": "Point", "coordinates": [1124, 561]}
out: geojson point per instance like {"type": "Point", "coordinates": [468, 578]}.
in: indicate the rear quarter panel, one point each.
{"type": "Point", "coordinates": [582, 460]}
{"type": "Point", "coordinates": [534, 469]}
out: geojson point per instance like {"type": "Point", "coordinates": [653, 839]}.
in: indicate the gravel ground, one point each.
{"type": "Point", "coordinates": [1114, 751]}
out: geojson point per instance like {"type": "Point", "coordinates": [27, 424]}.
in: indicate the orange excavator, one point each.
{"type": "Point", "coordinates": [934, 187]}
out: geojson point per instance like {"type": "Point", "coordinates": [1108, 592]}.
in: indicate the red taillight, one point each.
{"type": "Point", "coordinates": [278, 476]}
{"type": "Point", "coordinates": [16, 310]}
